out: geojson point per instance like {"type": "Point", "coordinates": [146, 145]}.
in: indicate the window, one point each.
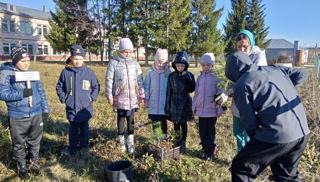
{"type": "Point", "coordinates": [7, 48]}
{"type": "Point", "coordinates": [55, 52]}
{"type": "Point", "coordinates": [42, 29]}
{"type": "Point", "coordinates": [28, 48]}
{"type": "Point", "coordinates": [7, 26]}
{"type": "Point", "coordinates": [42, 49]}
{"type": "Point", "coordinates": [11, 8]}
{"type": "Point", "coordinates": [26, 28]}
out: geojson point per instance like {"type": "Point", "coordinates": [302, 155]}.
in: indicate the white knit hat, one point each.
{"type": "Point", "coordinates": [208, 58]}
{"type": "Point", "coordinates": [161, 54]}
{"type": "Point", "coordinates": [125, 43]}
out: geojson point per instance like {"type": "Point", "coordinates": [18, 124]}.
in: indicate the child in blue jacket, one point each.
{"type": "Point", "coordinates": [78, 87]}
{"type": "Point", "coordinates": [25, 119]}
{"type": "Point", "coordinates": [156, 88]}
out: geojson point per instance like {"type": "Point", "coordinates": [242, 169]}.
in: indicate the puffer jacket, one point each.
{"type": "Point", "coordinates": [12, 93]}
{"type": "Point", "coordinates": [156, 88]}
{"type": "Point", "coordinates": [270, 108]}
{"type": "Point", "coordinates": [179, 102]}
{"type": "Point", "coordinates": [203, 100]}
{"type": "Point", "coordinates": [124, 83]}
{"type": "Point", "coordinates": [78, 87]}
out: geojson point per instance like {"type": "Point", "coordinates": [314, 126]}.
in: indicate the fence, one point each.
{"type": "Point", "coordinates": [318, 68]}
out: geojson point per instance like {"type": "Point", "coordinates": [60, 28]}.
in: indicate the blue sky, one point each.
{"type": "Point", "coordinates": [288, 19]}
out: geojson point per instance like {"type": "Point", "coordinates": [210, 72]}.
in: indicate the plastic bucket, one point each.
{"type": "Point", "coordinates": [119, 171]}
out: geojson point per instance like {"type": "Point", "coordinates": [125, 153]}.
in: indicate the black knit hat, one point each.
{"type": "Point", "coordinates": [17, 53]}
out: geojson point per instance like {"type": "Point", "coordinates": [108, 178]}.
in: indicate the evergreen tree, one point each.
{"type": "Point", "coordinates": [61, 36]}
{"type": "Point", "coordinates": [256, 22]}
{"type": "Point", "coordinates": [169, 24]}
{"type": "Point", "coordinates": [236, 22]}
{"type": "Point", "coordinates": [205, 37]}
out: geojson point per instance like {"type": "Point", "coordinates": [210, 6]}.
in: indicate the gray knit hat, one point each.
{"type": "Point", "coordinates": [208, 58]}
{"type": "Point", "coordinates": [125, 43]}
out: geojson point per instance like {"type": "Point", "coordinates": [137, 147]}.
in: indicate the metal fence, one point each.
{"type": "Point", "coordinates": [318, 68]}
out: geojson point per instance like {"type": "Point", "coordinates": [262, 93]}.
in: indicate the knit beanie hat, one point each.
{"type": "Point", "coordinates": [250, 36]}
{"type": "Point", "coordinates": [125, 43]}
{"type": "Point", "coordinates": [208, 58]}
{"type": "Point", "coordinates": [18, 53]}
{"type": "Point", "coordinates": [161, 54]}
{"type": "Point", "coordinates": [77, 50]}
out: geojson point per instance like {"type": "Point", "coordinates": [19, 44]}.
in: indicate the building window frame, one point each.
{"type": "Point", "coordinates": [43, 50]}
{"type": "Point", "coordinates": [26, 28]}
{"type": "Point", "coordinates": [7, 47]}
{"type": "Point", "coordinates": [28, 48]}
{"type": "Point", "coordinates": [7, 25]}
{"type": "Point", "coordinates": [42, 29]}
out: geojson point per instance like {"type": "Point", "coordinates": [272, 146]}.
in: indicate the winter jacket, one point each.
{"type": "Point", "coordinates": [179, 102]}
{"type": "Point", "coordinates": [78, 87]}
{"type": "Point", "coordinates": [269, 105]}
{"type": "Point", "coordinates": [203, 100]}
{"type": "Point", "coordinates": [12, 93]}
{"type": "Point", "coordinates": [124, 83]}
{"type": "Point", "coordinates": [258, 57]}
{"type": "Point", "coordinates": [156, 88]}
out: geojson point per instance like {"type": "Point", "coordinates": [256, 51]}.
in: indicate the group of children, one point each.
{"type": "Point", "coordinates": [166, 94]}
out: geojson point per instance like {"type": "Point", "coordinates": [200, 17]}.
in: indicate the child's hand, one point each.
{"type": "Point", "coordinates": [141, 100]}
{"type": "Point", "coordinates": [110, 101]}
{"type": "Point", "coordinates": [184, 72]}
{"type": "Point", "coordinates": [194, 112]}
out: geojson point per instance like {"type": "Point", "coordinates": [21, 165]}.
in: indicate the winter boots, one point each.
{"type": "Point", "coordinates": [130, 143]}
{"type": "Point", "coordinates": [22, 171]}
{"type": "Point", "coordinates": [122, 142]}
{"type": "Point", "coordinates": [34, 168]}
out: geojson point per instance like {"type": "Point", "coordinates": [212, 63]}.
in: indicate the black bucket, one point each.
{"type": "Point", "coordinates": [119, 171]}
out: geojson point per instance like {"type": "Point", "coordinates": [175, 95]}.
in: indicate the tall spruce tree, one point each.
{"type": "Point", "coordinates": [62, 35]}
{"type": "Point", "coordinates": [169, 24]}
{"type": "Point", "coordinates": [256, 24]}
{"type": "Point", "coordinates": [204, 36]}
{"type": "Point", "coordinates": [236, 21]}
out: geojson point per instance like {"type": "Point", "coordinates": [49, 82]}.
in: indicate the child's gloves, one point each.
{"type": "Point", "coordinates": [27, 92]}
{"type": "Point", "coordinates": [45, 117]}
{"type": "Point", "coordinates": [220, 98]}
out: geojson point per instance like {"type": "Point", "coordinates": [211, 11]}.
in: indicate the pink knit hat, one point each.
{"type": "Point", "coordinates": [161, 54]}
{"type": "Point", "coordinates": [208, 58]}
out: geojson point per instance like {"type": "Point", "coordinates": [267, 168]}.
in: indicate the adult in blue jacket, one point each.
{"type": "Point", "coordinates": [78, 87]}
{"type": "Point", "coordinates": [26, 121]}
{"type": "Point", "coordinates": [273, 116]}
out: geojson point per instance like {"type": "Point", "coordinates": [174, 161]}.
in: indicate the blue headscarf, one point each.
{"type": "Point", "coordinates": [250, 36]}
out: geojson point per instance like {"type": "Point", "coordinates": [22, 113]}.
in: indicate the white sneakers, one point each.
{"type": "Point", "coordinates": [130, 142]}
{"type": "Point", "coordinates": [123, 143]}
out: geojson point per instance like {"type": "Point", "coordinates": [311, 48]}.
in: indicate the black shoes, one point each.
{"type": "Point", "coordinates": [22, 171]}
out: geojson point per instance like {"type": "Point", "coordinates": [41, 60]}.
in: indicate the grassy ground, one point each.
{"type": "Point", "coordinates": [90, 165]}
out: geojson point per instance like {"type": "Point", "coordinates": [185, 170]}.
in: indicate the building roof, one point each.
{"type": "Point", "coordinates": [26, 12]}
{"type": "Point", "coordinates": [280, 44]}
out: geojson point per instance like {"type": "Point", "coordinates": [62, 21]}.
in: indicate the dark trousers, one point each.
{"type": "Point", "coordinates": [207, 131]}
{"type": "Point", "coordinates": [163, 126]}
{"type": "Point", "coordinates": [184, 129]}
{"type": "Point", "coordinates": [78, 132]}
{"type": "Point", "coordinates": [26, 132]}
{"type": "Point", "coordinates": [283, 159]}
{"type": "Point", "coordinates": [130, 124]}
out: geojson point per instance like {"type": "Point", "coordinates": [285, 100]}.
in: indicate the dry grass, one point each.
{"type": "Point", "coordinates": [90, 165]}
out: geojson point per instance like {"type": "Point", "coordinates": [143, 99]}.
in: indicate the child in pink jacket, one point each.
{"type": "Point", "coordinates": [203, 104]}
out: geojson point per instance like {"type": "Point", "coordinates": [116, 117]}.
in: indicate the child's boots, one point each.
{"type": "Point", "coordinates": [130, 142]}
{"type": "Point", "coordinates": [122, 142]}
{"type": "Point", "coordinates": [22, 170]}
